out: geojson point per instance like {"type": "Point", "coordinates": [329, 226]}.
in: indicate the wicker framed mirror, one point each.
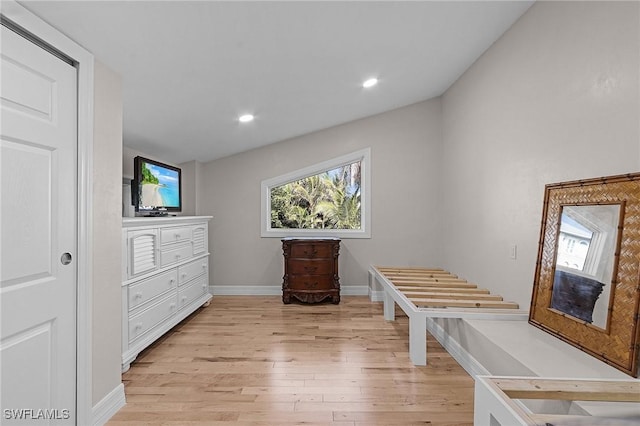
{"type": "Point", "coordinates": [587, 282]}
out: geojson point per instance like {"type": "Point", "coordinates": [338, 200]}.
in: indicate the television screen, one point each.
{"type": "Point", "coordinates": [158, 186]}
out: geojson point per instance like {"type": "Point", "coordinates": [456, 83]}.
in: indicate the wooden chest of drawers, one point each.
{"type": "Point", "coordinates": [311, 270]}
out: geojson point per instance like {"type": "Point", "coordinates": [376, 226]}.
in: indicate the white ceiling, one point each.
{"type": "Point", "coordinates": [189, 68]}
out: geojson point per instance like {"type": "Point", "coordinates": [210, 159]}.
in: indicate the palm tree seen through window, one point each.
{"type": "Point", "coordinates": [328, 200]}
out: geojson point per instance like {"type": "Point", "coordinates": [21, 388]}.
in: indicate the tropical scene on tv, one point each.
{"type": "Point", "coordinates": [159, 187]}
{"type": "Point", "coordinates": [329, 200]}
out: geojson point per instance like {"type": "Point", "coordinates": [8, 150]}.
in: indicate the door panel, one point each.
{"type": "Point", "coordinates": [38, 141]}
{"type": "Point", "coordinates": [29, 98]}
{"type": "Point", "coordinates": [25, 262]}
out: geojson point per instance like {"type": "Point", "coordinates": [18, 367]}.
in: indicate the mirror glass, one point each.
{"type": "Point", "coordinates": [585, 263]}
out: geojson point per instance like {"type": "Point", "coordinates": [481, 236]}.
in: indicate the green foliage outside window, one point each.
{"type": "Point", "coordinates": [330, 200]}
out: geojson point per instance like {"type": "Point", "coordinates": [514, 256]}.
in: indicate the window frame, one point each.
{"type": "Point", "coordinates": [363, 156]}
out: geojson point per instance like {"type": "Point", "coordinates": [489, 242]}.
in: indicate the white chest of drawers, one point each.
{"type": "Point", "coordinates": [165, 277]}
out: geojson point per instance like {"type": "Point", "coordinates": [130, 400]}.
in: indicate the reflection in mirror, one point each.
{"type": "Point", "coordinates": [586, 262]}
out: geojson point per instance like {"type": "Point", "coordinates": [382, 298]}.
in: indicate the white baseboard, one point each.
{"type": "Point", "coordinates": [257, 290]}
{"type": "Point", "coordinates": [109, 406]}
{"type": "Point", "coordinates": [354, 290]}
{"type": "Point", "coordinates": [460, 354]}
{"type": "Point", "coordinates": [376, 296]}
{"type": "Point", "coordinates": [246, 290]}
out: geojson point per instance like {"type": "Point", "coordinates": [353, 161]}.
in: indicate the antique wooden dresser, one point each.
{"type": "Point", "coordinates": [311, 269]}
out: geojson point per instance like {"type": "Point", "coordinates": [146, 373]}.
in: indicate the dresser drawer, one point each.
{"type": "Point", "coordinates": [311, 282]}
{"type": "Point", "coordinates": [141, 323]}
{"type": "Point", "coordinates": [146, 290]}
{"type": "Point", "coordinates": [175, 235]}
{"type": "Point", "coordinates": [311, 267]}
{"type": "Point", "coordinates": [311, 250]}
{"type": "Point", "coordinates": [175, 254]}
{"type": "Point", "coordinates": [191, 292]}
{"type": "Point", "coordinates": [192, 269]}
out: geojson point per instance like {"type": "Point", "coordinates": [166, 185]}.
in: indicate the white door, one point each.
{"type": "Point", "coordinates": [38, 135]}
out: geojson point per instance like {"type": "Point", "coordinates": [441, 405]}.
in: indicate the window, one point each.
{"type": "Point", "coordinates": [587, 233]}
{"type": "Point", "coordinates": [576, 239]}
{"type": "Point", "coordinates": [330, 198]}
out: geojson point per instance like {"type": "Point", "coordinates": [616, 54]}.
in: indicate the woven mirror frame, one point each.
{"type": "Point", "coordinates": [618, 342]}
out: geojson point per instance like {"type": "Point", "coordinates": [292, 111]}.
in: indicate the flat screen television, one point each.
{"type": "Point", "coordinates": [156, 187]}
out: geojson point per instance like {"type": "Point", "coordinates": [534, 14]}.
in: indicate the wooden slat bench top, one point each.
{"type": "Point", "coordinates": [572, 390]}
{"type": "Point", "coordinates": [458, 303]}
{"type": "Point", "coordinates": [425, 280]}
{"type": "Point", "coordinates": [442, 289]}
{"type": "Point", "coordinates": [435, 293]}
{"type": "Point", "coordinates": [434, 284]}
{"type": "Point", "coordinates": [437, 288]}
{"type": "Point", "coordinates": [407, 269]}
{"type": "Point", "coordinates": [396, 274]}
{"type": "Point", "coordinates": [450, 295]}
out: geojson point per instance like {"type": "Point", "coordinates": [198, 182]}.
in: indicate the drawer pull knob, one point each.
{"type": "Point", "coordinates": [172, 306]}
{"type": "Point", "coordinates": [138, 326]}
{"type": "Point", "coordinates": [139, 295]}
{"type": "Point", "coordinates": [310, 268]}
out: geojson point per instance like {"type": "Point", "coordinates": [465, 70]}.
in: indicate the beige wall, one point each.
{"type": "Point", "coordinates": [107, 227]}
{"type": "Point", "coordinates": [128, 154]}
{"type": "Point", "coordinates": [190, 171]}
{"type": "Point", "coordinates": [555, 99]}
{"type": "Point", "coordinates": [405, 156]}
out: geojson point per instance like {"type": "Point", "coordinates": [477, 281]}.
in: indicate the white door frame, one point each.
{"type": "Point", "coordinates": [40, 29]}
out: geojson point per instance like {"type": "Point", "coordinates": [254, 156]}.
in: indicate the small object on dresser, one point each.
{"type": "Point", "coordinates": [311, 270]}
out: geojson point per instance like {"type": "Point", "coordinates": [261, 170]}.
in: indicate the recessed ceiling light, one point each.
{"type": "Point", "coordinates": [246, 118]}
{"type": "Point", "coordinates": [370, 83]}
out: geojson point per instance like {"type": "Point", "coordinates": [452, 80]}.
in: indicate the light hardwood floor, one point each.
{"type": "Point", "coordinates": [251, 360]}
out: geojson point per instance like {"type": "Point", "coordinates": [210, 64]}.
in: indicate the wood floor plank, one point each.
{"type": "Point", "coordinates": [254, 361]}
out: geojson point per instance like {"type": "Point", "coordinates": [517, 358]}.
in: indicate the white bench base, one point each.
{"type": "Point", "coordinates": [418, 316]}
{"type": "Point", "coordinates": [496, 401]}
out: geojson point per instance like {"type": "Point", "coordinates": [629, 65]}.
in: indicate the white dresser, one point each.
{"type": "Point", "coordinates": [165, 277]}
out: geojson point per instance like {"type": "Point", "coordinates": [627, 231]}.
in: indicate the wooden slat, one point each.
{"type": "Point", "coordinates": [420, 273]}
{"type": "Point", "coordinates": [436, 279]}
{"type": "Point", "coordinates": [413, 271]}
{"type": "Point", "coordinates": [578, 420]}
{"type": "Point", "coordinates": [438, 284]}
{"type": "Point", "coordinates": [418, 276]}
{"type": "Point", "coordinates": [446, 303]}
{"type": "Point", "coordinates": [408, 269]}
{"type": "Point", "coordinates": [573, 390]}
{"type": "Point", "coordinates": [438, 289]}
{"type": "Point", "coordinates": [426, 279]}
{"type": "Point", "coordinates": [458, 296]}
